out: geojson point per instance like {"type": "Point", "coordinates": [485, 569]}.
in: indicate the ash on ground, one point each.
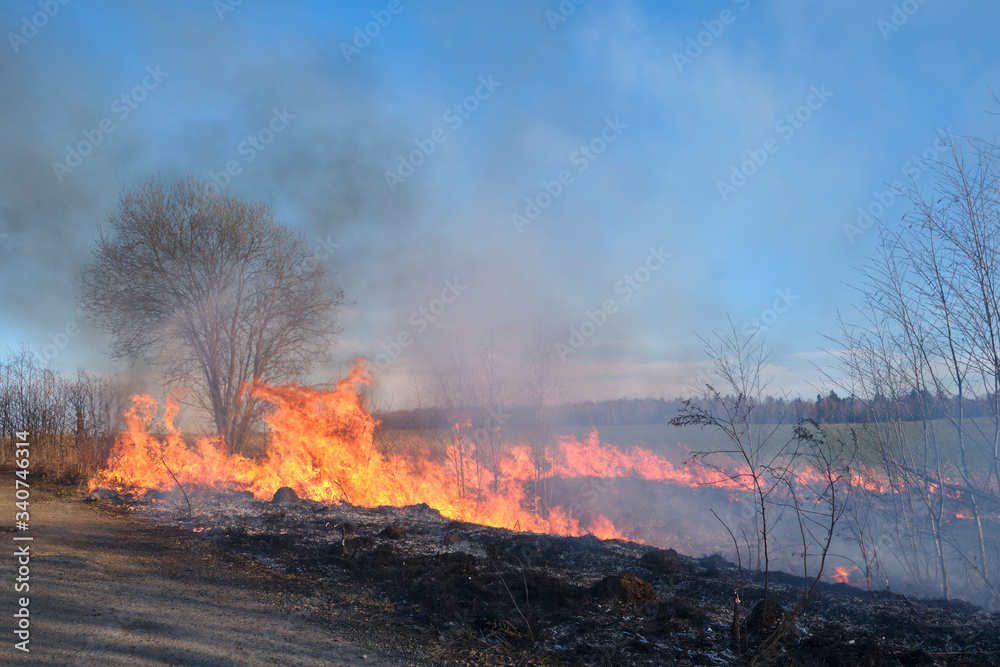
{"type": "Point", "coordinates": [507, 597]}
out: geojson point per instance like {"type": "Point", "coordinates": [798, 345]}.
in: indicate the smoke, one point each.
{"type": "Point", "coordinates": [536, 162]}
{"type": "Point", "coordinates": [82, 124]}
{"type": "Point", "coordinates": [298, 126]}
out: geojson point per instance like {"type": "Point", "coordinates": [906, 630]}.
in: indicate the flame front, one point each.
{"type": "Point", "coordinates": [321, 445]}
{"type": "Point", "coordinates": [842, 575]}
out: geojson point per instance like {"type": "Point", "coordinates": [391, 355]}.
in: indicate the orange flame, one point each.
{"type": "Point", "coordinates": [842, 574]}
{"type": "Point", "coordinates": [321, 445]}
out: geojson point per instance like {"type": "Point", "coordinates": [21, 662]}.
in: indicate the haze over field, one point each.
{"type": "Point", "coordinates": [646, 168]}
{"type": "Point", "coordinates": [416, 254]}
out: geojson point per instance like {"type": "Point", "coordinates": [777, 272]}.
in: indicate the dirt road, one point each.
{"type": "Point", "coordinates": [109, 590]}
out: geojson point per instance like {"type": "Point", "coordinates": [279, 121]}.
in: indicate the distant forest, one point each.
{"type": "Point", "coordinates": [829, 409]}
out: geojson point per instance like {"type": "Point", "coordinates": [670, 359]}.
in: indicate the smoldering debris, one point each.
{"type": "Point", "coordinates": [498, 593]}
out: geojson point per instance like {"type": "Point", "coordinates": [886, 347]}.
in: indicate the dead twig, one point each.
{"type": "Point", "coordinates": [178, 485]}
{"type": "Point", "coordinates": [737, 635]}
{"type": "Point", "coordinates": [527, 624]}
{"type": "Point", "coordinates": [346, 497]}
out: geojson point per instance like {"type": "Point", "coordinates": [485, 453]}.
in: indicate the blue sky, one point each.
{"type": "Point", "coordinates": [889, 76]}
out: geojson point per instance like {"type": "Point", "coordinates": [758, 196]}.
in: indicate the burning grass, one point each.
{"type": "Point", "coordinates": [513, 562]}
{"type": "Point", "coordinates": [321, 446]}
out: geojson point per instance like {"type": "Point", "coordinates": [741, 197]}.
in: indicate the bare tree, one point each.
{"type": "Point", "coordinates": [766, 460]}
{"type": "Point", "coordinates": [72, 420]}
{"type": "Point", "coordinates": [491, 446]}
{"type": "Point", "coordinates": [752, 443]}
{"type": "Point", "coordinates": [385, 438]}
{"type": "Point", "coordinates": [454, 390]}
{"type": "Point", "coordinates": [542, 391]}
{"type": "Point", "coordinates": [213, 290]}
{"type": "Point", "coordinates": [925, 350]}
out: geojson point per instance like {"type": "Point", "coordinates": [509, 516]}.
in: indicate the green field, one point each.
{"type": "Point", "coordinates": [673, 442]}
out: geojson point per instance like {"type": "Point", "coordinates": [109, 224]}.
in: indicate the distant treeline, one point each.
{"type": "Point", "coordinates": [829, 409]}
{"type": "Point", "coordinates": [73, 418]}
{"type": "Point", "coordinates": [70, 420]}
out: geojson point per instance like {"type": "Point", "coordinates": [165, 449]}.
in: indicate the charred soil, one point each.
{"type": "Point", "coordinates": [468, 594]}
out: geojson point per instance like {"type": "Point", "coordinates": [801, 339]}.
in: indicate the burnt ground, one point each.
{"type": "Point", "coordinates": [485, 596]}
{"type": "Point", "coordinates": [107, 588]}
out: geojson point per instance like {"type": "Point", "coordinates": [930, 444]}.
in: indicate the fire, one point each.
{"type": "Point", "coordinates": [593, 459]}
{"type": "Point", "coordinates": [842, 574]}
{"type": "Point", "coordinates": [321, 446]}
